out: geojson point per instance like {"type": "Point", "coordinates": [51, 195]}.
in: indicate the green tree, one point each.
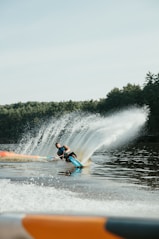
{"type": "Point", "coordinates": [151, 98]}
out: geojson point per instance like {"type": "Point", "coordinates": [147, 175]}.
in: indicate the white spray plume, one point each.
{"type": "Point", "coordinates": [86, 133]}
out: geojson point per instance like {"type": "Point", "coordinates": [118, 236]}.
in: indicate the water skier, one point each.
{"type": "Point", "coordinates": [64, 152]}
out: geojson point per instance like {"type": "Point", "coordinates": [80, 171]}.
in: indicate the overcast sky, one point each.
{"type": "Point", "coordinates": [75, 49]}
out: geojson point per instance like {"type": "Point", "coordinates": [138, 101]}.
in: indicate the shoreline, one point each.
{"type": "Point", "coordinates": [148, 139]}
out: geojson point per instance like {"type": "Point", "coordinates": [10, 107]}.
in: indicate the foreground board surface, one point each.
{"type": "Point", "coordinates": [40, 226]}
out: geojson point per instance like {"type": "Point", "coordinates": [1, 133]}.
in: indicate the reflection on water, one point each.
{"type": "Point", "coordinates": [138, 164]}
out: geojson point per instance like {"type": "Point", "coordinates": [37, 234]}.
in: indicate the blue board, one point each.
{"type": "Point", "coordinates": [75, 162]}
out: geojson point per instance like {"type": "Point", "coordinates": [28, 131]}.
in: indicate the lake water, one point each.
{"type": "Point", "coordinates": [118, 182]}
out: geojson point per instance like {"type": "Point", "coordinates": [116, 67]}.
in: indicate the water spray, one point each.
{"type": "Point", "coordinates": [86, 133]}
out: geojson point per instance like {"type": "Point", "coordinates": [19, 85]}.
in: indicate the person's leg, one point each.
{"type": "Point", "coordinates": [73, 155]}
{"type": "Point", "coordinates": [67, 157]}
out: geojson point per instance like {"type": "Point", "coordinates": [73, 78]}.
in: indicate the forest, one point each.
{"type": "Point", "coordinates": [15, 119]}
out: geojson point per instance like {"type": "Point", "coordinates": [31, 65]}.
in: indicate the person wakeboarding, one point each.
{"type": "Point", "coordinates": [64, 152]}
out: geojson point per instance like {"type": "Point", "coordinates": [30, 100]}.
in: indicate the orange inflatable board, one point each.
{"type": "Point", "coordinates": [12, 155]}
{"type": "Point", "coordinates": [47, 226]}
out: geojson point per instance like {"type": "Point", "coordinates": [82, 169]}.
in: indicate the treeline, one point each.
{"type": "Point", "coordinates": [16, 118]}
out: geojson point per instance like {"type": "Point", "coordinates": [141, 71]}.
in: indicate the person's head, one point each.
{"type": "Point", "coordinates": [58, 145]}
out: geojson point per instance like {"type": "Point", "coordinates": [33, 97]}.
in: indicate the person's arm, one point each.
{"type": "Point", "coordinates": [67, 149]}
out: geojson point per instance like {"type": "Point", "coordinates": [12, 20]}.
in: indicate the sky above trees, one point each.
{"type": "Point", "coordinates": [75, 50]}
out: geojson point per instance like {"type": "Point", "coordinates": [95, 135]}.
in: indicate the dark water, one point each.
{"type": "Point", "coordinates": [138, 164]}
